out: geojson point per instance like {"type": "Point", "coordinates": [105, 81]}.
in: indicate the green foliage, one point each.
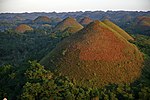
{"type": "Point", "coordinates": [79, 56]}
{"type": "Point", "coordinates": [5, 71]}
{"type": "Point", "coordinates": [39, 84]}
{"type": "Point", "coordinates": [144, 93]}
{"type": "Point", "coordinates": [37, 72]}
{"type": "Point", "coordinates": [60, 87]}
{"type": "Point", "coordinates": [143, 43]}
{"type": "Point", "coordinates": [94, 92]}
{"type": "Point", "coordinates": [19, 80]}
{"type": "Point", "coordinates": [16, 49]}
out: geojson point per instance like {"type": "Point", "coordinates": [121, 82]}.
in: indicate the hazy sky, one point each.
{"type": "Point", "coordinates": [72, 5]}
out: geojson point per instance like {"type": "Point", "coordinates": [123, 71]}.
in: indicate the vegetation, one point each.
{"type": "Point", "coordinates": [17, 48]}
{"type": "Point", "coordinates": [41, 84]}
{"type": "Point", "coordinates": [96, 56]}
{"type": "Point", "coordinates": [23, 27]}
{"type": "Point", "coordinates": [118, 29]}
{"type": "Point", "coordinates": [142, 24]}
{"type": "Point", "coordinates": [138, 25]}
{"type": "Point", "coordinates": [66, 23]}
{"type": "Point", "coordinates": [23, 78]}
{"type": "Point", "coordinates": [42, 20]}
{"type": "Point", "coordinates": [85, 21]}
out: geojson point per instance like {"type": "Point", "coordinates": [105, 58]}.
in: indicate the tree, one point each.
{"type": "Point", "coordinates": [39, 83]}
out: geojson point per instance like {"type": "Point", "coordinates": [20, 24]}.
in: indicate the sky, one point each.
{"type": "Point", "coordinates": [72, 5]}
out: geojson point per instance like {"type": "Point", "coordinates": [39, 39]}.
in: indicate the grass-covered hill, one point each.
{"type": "Point", "coordinates": [125, 19]}
{"type": "Point", "coordinates": [23, 27]}
{"type": "Point", "coordinates": [142, 24]}
{"type": "Point", "coordinates": [118, 29]}
{"type": "Point", "coordinates": [20, 80]}
{"type": "Point", "coordinates": [95, 56]}
{"type": "Point", "coordinates": [42, 20]}
{"type": "Point", "coordinates": [85, 21]}
{"type": "Point", "coordinates": [66, 23]}
{"type": "Point", "coordinates": [144, 20]}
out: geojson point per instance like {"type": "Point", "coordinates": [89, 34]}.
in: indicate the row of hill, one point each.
{"type": "Point", "coordinates": [138, 25]}
{"type": "Point", "coordinates": [95, 55]}
{"type": "Point", "coordinates": [69, 24]}
{"type": "Point", "coordinates": [79, 57]}
{"type": "Point", "coordinates": [128, 20]}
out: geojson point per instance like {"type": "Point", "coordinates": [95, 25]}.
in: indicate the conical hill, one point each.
{"type": "Point", "coordinates": [42, 20]}
{"type": "Point", "coordinates": [143, 20]}
{"type": "Point", "coordinates": [118, 29]}
{"type": "Point", "coordinates": [66, 23]}
{"type": "Point", "coordinates": [96, 56]}
{"type": "Point", "coordinates": [142, 25]}
{"type": "Point", "coordinates": [85, 21]}
{"type": "Point", "coordinates": [22, 28]}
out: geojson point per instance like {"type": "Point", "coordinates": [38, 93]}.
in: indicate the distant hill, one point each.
{"type": "Point", "coordinates": [142, 25]}
{"type": "Point", "coordinates": [95, 56]}
{"type": "Point", "coordinates": [123, 19]}
{"type": "Point", "coordinates": [42, 20]}
{"type": "Point", "coordinates": [22, 28]}
{"type": "Point", "coordinates": [118, 29]}
{"type": "Point", "coordinates": [18, 18]}
{"type": "Point", "coordinates": [143, 20]}
{"type": "Point", "coordinates": [56, 20]}
{"type": "Point", "coordinates": [106, 17]}
{"type": "Point", "coordinates": [69, 22]}
{"type": "Point", "coordinates": [85, 21]}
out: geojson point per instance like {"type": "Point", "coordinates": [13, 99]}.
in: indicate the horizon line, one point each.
{"type": "Point", "coordinates": [74, 11]}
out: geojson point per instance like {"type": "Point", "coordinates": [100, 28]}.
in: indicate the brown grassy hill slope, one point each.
{"type": "Point", "coordinates": [142, 25]}
{"type": "Point", "coordinates": [96, 56]}
{"type": "Point", "coordinates": [118, 29]}
{"type": "Point", "coordinates": [22, 28]}
{"type": "Point", "coordinates": [68, 22]}
{"type": "Point", "coordinates": [85, 21]}
{"type": "Point", "coordinates": [42, 19]}
{"type": "Point", "coordinates": [143, 20]}
{"type": "Point", "coordinates": [69, 31]}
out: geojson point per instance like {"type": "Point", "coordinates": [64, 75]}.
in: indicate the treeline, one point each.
{"type": "Point", "coordinates": [28, 80]}
{"type": "Point", "coordinates": [37, 83]}
{"type": "Point", "coordinates": [16, 48]}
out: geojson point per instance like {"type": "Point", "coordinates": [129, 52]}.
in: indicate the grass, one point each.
{"type": "Point", "coordinates": [68, 22]}
{"type": "Point", "coordinates": [117, 29]}
{"type": "Point", "coordinates": [144, 20]}
{"type": "Point", "coordinates": [22, 28]}
{"type": "Point", "coordinates": [96, 53]}
{"type": "Point", "coordinates": [85, 21]}
{"type": "Point", "coordinates": [42, 19]}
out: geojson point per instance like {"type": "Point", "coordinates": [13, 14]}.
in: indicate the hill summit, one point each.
{"type": "Point", "coordinates": [42, 20]}
{"type": "Point", "coordinates": [118, 29]}
{"type": "Point", "coordinates": [85, 21]}
{"type": "Point", "coordinates": [22, 28]}
{"type": "Point", "coordinates": [70, 23]}
{"type": "Point", "coordinates": [96, 56]}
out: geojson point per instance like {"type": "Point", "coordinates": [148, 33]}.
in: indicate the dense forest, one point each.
{"type": "Point", "coordinates": [22, 77]}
